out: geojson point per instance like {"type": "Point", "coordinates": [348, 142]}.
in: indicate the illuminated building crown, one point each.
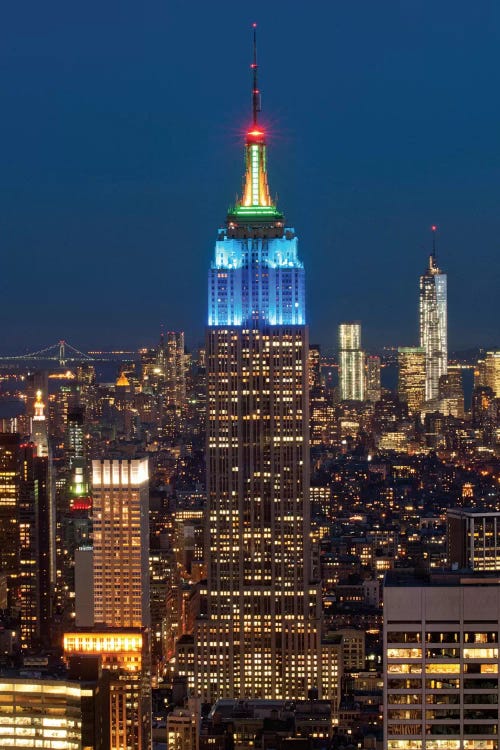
{"type": "Point", "coordinates": [256, 277]}
{"type": "Point", "coordinates": [39, 406]}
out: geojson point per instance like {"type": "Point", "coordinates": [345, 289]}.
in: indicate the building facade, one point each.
{"type": "Point", "coordinates": [373, 387]}
{"type": "Point", "coordinates": [441, 653]}
{"type": "Point", "coordinates": [473, 538]}
{"type": "Point", "coordinates": [412, 377]}
{"type": "Point", "coordinates": [121, 523]}
{"type": "Point", "coordinates": [492, 371]}
{"type": "Point", "coordinates": [50, 712]}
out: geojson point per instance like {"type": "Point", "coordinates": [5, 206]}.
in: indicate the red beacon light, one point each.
{"type": "Point", "coordinates": [255, 134]}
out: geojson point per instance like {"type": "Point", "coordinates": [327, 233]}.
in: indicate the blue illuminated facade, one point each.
{"type": "Point", "coordinates": [256, 281]}
{"type": "Point", "coordinates": [256, 278]}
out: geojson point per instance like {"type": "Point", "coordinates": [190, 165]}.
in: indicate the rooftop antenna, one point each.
{"type": "Point", "coordinates": [255, 91]}
{"type": "Point", "coordinates": [434, 230]}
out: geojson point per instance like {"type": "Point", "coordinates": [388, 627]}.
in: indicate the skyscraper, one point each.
{"type": "Point", "coordinates": [351, 363]}
{"type": "Point", "coordinates": [10, 484]}
{"type": "Point", "coordinates": [492, 371]}
{"type": "Point", "coordinates": [440, 645]}
{"type": "Point", "coordinates": [411, 377]}
{"type": "Point", "coordinates": [175, 370]}
{"type": "Point", "coordinates": [373, 388]}
{"type": "Point", "coordinates": [259, 636]}
{"type": "Point", "coordinates": [451, 392]}
{"type": "Point", "coordinates": [473, 538]}
{"type": "Point", "coordinates": [433, 324]}
{"type": "Point", "coordinates": [39, 431]}
{"type": "Point", "coordinates": [120, 633]}
{"type": "Point", "coordinates": [121, 542]}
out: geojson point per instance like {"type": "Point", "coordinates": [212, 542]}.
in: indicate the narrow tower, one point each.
{"type": "Point", "coordinates": [259, 637]}
{"type": "Point", "coordinates": [351, 363]}
{"type": "Point", "coordinates": [433, 323]}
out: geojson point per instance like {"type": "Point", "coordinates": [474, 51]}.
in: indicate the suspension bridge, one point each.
{"type": "Point", "coordinates": [64, 353]}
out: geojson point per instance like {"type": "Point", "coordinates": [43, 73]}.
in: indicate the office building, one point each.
{"type": "Point", "coordinates": [63, 712]}
{"type": "Point", "coordinates": [39, 433]}
{"type": "Point", "coordinates": [373, 388]}
{"type": "Point", "coordinates": [183, 729]}
{"type": "Point", "coordinates": [10, 483]}
{"type": "Point", "coordinates": [124, 654]}
{"type": "Point", "coordinates": [412, 377]}
{"type": "Point", "coordinates": [120, 559]}
{"type": "Point", "coordinates": [120, 488]}
{"type": "Point", "coordinates": [485, 411]}
{"type": "Point", "coordinates": [451, 393]}
{"type": "Point", "coordinates": [492, 371]}
{"type": "Point", "coordinates": [27, 537]}
{"type": "Point", "coordinates": [433, 325]}
{"type": "Point", "coordinates": [473, 538]}
{"type": "Point", "coordinates": [351, 363]}
{"type": "Point", "coordinates": [259, 636]}
{"type": "Point", "coordinates": [441, 661]}
{"type": "Point", "coordinates": [76, 453]}
{"type": "Point", "coordinates": [175, 370]}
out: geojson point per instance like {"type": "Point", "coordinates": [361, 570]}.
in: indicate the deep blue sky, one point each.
{"type": "Point", "coordinates": [121, 148]}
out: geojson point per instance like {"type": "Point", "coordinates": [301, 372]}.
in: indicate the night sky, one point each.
{"type": "Point", "coordinates": [121, 132]}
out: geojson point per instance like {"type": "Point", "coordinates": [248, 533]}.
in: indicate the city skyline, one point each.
{"type": "Point", "coordinates": [239, 547]}
{"type": "Point", "coordinates": [124, 143]}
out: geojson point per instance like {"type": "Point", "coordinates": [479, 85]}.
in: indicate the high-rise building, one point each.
{"type": "Point", "coordinates": [175, 370]}
{"type": "Point", "coordinates": [67, 712]}
{"type": "Point", "coordinates": [351, 363]}
{"type": "Point", "coordinates": [120, 634]}
{"type": "Point", "coordinates": [10, 484]}
{"type": "Point", "coordinates": [39, 432]}
{"type": "Point", "coordinates": [373, 388]}
{"type": "Point", "coordinates": [451, 392]}
{"type": "Point", "coordinates": [121, 542]}
{"type": "Point", "coordinates": [10, 479]}
{"type": "Point", "coordinates": [321, 411]}
{"type": "Point", "coordinates": [473, 538]}
{"type": "Point", "coordinates": [441, 654]}
{"type": "Point", "coordinates": [492, 371]}
{"type": "Point", "coordinates": [485, 412]}
{"type": "Point", "coordinates": [434, 325]}
{"type": "Point", "coordinates": [27, 537]}
{"type": "Point", "coordinates": [260, 633]}
{"type": "Point", "coordinates": [124, 654]}
{"type": "Point", "coordinates": [314, 367]}
{"type": "Point", "coordinates": [412, 377]}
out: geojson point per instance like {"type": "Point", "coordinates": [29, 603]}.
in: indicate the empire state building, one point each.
{"type": "Point", "coordinates": [259, 634]}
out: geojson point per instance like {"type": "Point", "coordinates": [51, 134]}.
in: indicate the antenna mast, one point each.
{"type": "Point", "coordinates": [255, 91]}
{"type": "Point", "coordinates": [434, 229]}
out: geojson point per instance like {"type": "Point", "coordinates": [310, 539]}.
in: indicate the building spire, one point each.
{"type": "Point", "coordinates": [256, 201]}
{"type": "Point", "coordinates": [433, 267]}
{"type": "Point", "coordinates": [255, 90]}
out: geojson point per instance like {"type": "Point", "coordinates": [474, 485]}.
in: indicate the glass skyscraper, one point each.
{"type": "Point", "coordinates": [258, 636]}
{"type": "Point", "coordinates": [433, 326]}
{"type": "Point", "coordinates": [351, 363]}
